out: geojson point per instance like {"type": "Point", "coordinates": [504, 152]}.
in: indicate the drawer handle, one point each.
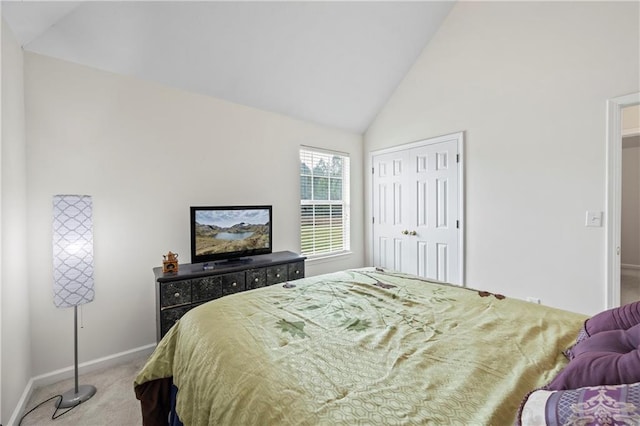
{"type": "Point", "coordinates": [277, 275]}
{"type": "Point", "coordinates": [297, 272]}
{"type": "Point", "coordinates": [176, 295]}
{"type": "Point", "coordinates": [234, 284]}
{"type": "Point", "coordinates": [256, 280]}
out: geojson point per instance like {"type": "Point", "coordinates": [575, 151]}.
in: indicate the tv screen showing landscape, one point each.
{"type": "Point", "coordinates": [228, 232]}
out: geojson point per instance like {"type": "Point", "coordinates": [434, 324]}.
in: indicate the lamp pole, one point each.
{"type": "Point", "coordinates": [78, 394]}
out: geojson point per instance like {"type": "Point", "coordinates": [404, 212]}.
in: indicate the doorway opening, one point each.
{"type": "Point", "coordinates": [615, 132]}
{"type": "Point", "coordinates": [630, 206]}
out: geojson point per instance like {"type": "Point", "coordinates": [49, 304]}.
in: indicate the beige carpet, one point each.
{"type": "Point", "coordinates": [114, 403]}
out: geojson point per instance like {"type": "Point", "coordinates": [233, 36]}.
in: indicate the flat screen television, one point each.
{"type": "Point", "coordinates": [229, 233]}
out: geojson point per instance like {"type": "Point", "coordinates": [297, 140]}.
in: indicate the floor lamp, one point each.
{"type": "Point", "coordinates": [73, 271]}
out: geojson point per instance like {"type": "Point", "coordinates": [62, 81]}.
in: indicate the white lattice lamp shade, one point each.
{"type": "Point", "coordinates": [72, 250]}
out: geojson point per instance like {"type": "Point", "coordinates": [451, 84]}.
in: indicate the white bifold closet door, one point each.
{"type": "Point", "coordinates": [416, 209]}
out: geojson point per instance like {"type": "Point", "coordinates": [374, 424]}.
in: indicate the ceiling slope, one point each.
{"type": "Point", "coordinates": [332, 63]}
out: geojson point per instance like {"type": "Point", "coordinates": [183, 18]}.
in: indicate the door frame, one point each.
{"type": "Point", "coordinates": [459, 138]}
{"type": "Point", "coordinates": [614, 195]}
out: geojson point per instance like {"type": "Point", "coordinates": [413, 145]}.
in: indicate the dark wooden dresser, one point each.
{"type": "Point", "coordinates": [193, 285]}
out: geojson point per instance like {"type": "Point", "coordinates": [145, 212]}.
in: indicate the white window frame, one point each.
{"type": "Point", "coordinates": [344, 202]}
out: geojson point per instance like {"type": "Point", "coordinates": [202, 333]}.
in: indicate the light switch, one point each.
{"type": "Point", "coordinates": [594, 219]}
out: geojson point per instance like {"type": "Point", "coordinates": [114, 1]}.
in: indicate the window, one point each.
{"type": "Point", "coordinates": [324, 202]}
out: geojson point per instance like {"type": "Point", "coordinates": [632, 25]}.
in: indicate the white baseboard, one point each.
{"type": "Point", "coordinates": [68, 372]}
{"type": "Point", "coordinates": [96, 364]}
{"type": "Point", "coordinates": [629, 266]}
{"type": "Point", "coordinates": [22, 404]}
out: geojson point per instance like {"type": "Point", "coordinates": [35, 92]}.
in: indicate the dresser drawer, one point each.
{"type": "Point", "coordinates": [232, 283]}
{"type": "Point", "coordinates": [295, 270]}
{"type": "Point", "coordinates": [179, 292]}
{"type": "Point", "coordinates": [207, 288]}
{"type": "Point", "coordinates": [276, 274]}
{"type": "Point", "coordinates": [256, 278]}
{"type": "Point", "coordinates": [168, 317]}
{"type": "Point", "coordinates": [175, 293]}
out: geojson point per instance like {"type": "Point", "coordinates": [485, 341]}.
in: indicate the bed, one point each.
{"type": "Point", "coordinates": [361, 346]}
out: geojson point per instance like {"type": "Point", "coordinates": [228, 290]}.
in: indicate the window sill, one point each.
{"type": "Point", "coordinates": [323, 258]}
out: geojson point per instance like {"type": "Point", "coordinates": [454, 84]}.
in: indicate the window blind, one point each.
{"type": "Point", "coordinates": [324, 202]}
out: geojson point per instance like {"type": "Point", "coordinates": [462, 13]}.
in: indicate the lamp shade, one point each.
{"type": "Point", "coordinates": [72, 250]}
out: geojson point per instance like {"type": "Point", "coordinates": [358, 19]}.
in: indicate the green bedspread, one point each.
{"type": "Point", "coordinates": [360, 347]}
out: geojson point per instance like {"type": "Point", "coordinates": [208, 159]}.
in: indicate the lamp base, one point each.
{"type": "Point", "coordinates": [72, 398]}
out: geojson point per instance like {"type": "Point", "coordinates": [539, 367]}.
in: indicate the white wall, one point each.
{"type": "Point", "coordinates": [15, 368]}
{"type": "Point", "coordinates": [631, 120]}
{"type": "Point", "coordinates": [146, 153]}
{"type": "Point", "coordinates": [630, 221]}
{"type": "Point", "coordinates": [528, 83]}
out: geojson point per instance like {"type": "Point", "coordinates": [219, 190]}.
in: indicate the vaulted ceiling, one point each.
{"type": "Point", "coordinates": [333, 63]}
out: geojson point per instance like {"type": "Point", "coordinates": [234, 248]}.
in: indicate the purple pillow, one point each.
{"type": "Point", "coordinates": [623, 318]}
{"type": "Point", "coordinates": [589, 406]}
{"type": "Point", "coordinates": [607, 358]}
